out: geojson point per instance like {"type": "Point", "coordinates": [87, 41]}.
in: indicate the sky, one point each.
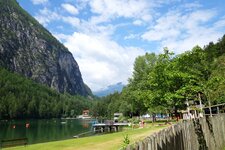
{"type": "Point", "coordinates": [105, 36]}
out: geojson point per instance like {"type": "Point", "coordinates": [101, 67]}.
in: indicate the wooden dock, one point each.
{"type": "Point", "coordinates": [103, 127]}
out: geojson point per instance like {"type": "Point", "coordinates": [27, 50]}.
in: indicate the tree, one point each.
{"type": "Point", "coordinates": [215, 86]}
{"type": "Point", "coordinates": [156, 97]}
{"type": "Point", "coordinates": [135, 92]}
{"type": "Point", "coordinates": [23, 98]}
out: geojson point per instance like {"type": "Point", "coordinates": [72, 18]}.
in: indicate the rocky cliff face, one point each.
{"type": "Point", "coordinates": [28, 48]}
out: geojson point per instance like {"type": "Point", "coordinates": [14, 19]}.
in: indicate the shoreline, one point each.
{"type": "Point", "coordinates": [106, 141]}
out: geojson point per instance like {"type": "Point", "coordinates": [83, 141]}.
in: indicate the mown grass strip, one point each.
{"type": "Point", "coordinates": [111, 141]}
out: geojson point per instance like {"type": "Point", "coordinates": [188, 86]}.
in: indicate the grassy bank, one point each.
{"type": "Point", "coordinates": [103, 142]}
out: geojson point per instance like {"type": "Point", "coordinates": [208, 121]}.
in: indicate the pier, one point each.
{"type": "Point", "coordinates": [103, 127]}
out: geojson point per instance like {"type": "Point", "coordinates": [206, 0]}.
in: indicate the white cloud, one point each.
{"type": "Point", "coordinates": [36, 2]}
{"type": "Point", "coordinates": [70, 8]}
{"type": "Point", "coordinates": [45, 16]}
{"type": "Point", "coordinates": [72, 21]}
{"type": "Point", "coordinates": [60, 36]}
{"type": "Point", "coordinates": [220, 23]}
{"type": "Point", "coordinates": [101, 60]}
{"type": "Point", "coordinates": [191, 6]}
{"type": "Point", "coordinates": [181, 31]}
{"type": "Point", "coordinates": [201, 38]}
{"type": "Point", "coordinates": [137, 22]}
{"type": "Point", "coordinates": [108, 10]}
{"type": "Point", "coordinates": [131, 36]}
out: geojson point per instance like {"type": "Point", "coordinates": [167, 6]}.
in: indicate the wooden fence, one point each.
{"type": "Point", "coordinates": [200, 134]}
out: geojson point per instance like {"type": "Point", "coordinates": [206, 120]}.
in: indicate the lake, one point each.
{"type": "Point", "coordinates": [44, 130]}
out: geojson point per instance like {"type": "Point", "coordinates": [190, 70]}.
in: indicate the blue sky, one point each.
{"type": "Point", "coordinates": [105, 36]}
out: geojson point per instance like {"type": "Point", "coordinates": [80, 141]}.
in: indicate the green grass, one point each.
{"type": "Point", "coordinates": [112, 141]}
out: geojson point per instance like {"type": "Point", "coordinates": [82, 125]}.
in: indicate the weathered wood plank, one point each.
{"type": "Point", "coordinates": [196, 134]}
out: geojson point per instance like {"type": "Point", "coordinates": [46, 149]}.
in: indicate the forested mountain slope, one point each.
{"type": "Point", "coordinates": [23, 98]}
{"type": "Point", "coordinates": [26, 47]}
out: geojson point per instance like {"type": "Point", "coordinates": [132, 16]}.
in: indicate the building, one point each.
{"type": "Point", "coordinates": [116, 116]}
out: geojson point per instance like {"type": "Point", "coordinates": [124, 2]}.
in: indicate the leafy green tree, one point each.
{"type": "Point", "coordinates": [32, 108]}
{"type": "Point", "coordinates": [215, 86]}
{"type": "Point", "coordinates": [23, 98]}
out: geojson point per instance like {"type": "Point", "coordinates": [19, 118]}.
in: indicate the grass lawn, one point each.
{"type": "Point", "coordinates": [111, 141]}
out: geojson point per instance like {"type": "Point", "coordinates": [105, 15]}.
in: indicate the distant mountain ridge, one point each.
{"type": "Point", "coordinates": [110, 89]}
{"type": "Point", "coordinates": [26, 47]}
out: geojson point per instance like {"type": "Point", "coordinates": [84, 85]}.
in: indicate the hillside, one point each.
{"type": "Point", "coordinates": [23, 98]}
{"type": "Point", "coordinates": [27, 48]}
{"type": "Point", "coordinates": [109, 89]}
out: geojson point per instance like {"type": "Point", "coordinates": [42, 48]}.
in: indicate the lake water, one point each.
{"type": "Point", "coordinates": [43, 130]}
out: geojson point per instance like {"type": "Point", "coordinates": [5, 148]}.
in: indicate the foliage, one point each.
{"type": "Point", "coordinates": [99, 109]}
{"type": "Point", "coordinates": [23, 98]}
{"type": "Point", "coordinates": [126, 142]}
{"type": "Point", "coordinates": [134, 120]}
{"type": "Point", "coordinates": [163, 83]}
{"type": "Point", "coordinates": [215, 86]}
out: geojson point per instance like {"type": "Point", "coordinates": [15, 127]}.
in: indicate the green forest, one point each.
{"type": "Point", "coordinates": [23, 98]}
{"type": "Point", "coordinates": [163, 83]}
{"type": "Point", "coordinates": [159, 84]}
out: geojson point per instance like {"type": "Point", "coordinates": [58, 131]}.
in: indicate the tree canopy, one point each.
{"type": "Point", "coordinates": [23, 98]}
{"type": "Point", "coordinates": [162, 83]}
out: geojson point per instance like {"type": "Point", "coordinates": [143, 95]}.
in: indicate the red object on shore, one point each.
{"type": "Point", "coordinates": [27, 125]}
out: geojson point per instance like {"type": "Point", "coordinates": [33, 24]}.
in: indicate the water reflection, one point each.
{"type": "Point", "coordinates": [43, 130]}
{"type": "Point", "coordinates": [85, 123]}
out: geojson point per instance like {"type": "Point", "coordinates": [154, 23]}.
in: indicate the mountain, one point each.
{"type": "Point", "coordinates": [27, 48]}
{"type": "Point", "coordinates": [110, 90]}
{"type": "Point", "coordinates": [22, 98]}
